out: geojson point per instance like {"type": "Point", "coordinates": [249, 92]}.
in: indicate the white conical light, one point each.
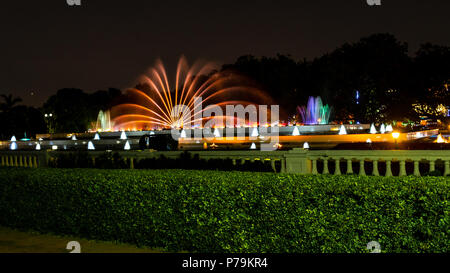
{"type": "Point", "coordinates": [382, 128]}
{"type": "Point", "coordinates": [96, 136]}
{"type": "Point", "coordinates": [306, 145]}
{"type": "Point", "coordinates": [183, 134]}
{"type": "Point", "coordinates": [152, 133]}
{"type": "Point", "coordinates": [296, 132]}
{"type": "Point", "coordinates": [91, 146]}
{"type": "Point", "coordinates": [13, 138]}
{"type": "Point", "coordinates": [368, 140]}
{"type": "Point", "coordinates": [216, 132]}
{"type": "Point", "coordinates": [389, 128]}
{"type": "Point", "coordinates": [13, 146]}
{"type": "Point", "coordinates": [342, 131]}
{"type": "Point", "coordinates": [123, 135]}
{"type": "Point", "coordinates": [74, 137]}
{"type": "Point", "coordinates": [372, 129]}
{"type": "Point", "coordinates": [255, 132]}
{"type": "Point", "coordinates": [127, 145]}
{"type": "Point", "coordinates": [253, 146]}
{"type": "Point", "coordinates": [38, 146]}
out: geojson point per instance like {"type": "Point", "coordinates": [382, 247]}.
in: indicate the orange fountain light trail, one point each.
{"type": "Point", "coordinates": [154, 102]}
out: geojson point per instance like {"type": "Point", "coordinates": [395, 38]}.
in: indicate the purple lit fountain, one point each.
{"type": "Point", "coordinates": [315, 112]}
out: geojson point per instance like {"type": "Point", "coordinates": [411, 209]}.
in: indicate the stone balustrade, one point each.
{"type": "Point", "coordinates": [333, 162]}
{"type": "Point", "coordinates": [23, 159]}
{"type": "Point", "coordinates": [371, 159]}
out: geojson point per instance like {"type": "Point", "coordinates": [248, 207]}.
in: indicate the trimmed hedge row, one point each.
{"type": "Point", "coordinates": [211, 211]}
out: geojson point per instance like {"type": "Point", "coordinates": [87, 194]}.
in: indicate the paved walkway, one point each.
{"type": "Point", "coordinates": [14, 241]}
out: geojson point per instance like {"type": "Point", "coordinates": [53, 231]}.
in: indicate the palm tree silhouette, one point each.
{"type": "Point", "coordinates": [9, 102]}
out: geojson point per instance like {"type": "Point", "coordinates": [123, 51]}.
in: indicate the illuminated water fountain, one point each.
{"type": "Point", "coordinates": [103, 121]}
{"type": "Point", "coordinates": [315, 112]}
{"type": "Point", "coordinates": [153, 104]}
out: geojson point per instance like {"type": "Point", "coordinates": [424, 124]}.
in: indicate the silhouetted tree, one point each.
{"type": "Point", "coordinates": [19, 120]}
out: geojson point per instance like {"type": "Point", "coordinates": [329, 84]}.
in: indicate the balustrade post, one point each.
{"type": "Point", "coordinates": [3, 161]}
{"type": "Point", "coordinates": [375, 168]}
{"type": "Point", "coordinates": [15, 161]}
{"type": "Point", "coordinates": [283, 165]}
{"type": "Point", "coordinates": [416, 168]}
{"type": "Point", "coordinates": [272, 164]}
{"type": "Point", "coordinates": [25, 161]}
{"type": "Point", "coordinates": [337, 166]}
{"type": "Point", "coordinates": [402, 171]}
{"type": "Point", "coordinates": [349, 166]}
{"type": "Point", "coordinates": [388, 168]}
{"type": "Point", "coordinates": [35, 162]}
{"type": "Point", "coordinates": [432, 166]}
{"type": "Point", "coordinates": [447, 167]}
{"type": "Point", "coordinates": [131, 163]}
{"type": "Point", "coordinates": [325, 166]}
{"type": "Point", "coordinates": [362, 171]}
{"type": "Point", "coordinates": [314, 166]}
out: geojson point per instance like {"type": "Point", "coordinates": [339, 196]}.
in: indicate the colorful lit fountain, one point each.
{"type": "Point", "coordinates": [103, 121]}
{"type": "Point", "coordinates": [315, 112]}
{"type": "Point", "coordinates": [153, 104]}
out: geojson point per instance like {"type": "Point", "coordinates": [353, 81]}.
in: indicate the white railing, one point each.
{"type": "Point", "coordinates": [293, 161]}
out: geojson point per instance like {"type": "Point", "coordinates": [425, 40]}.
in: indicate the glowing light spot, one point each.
{"type": "Point", "coordinates": [90, 146]}
{"type": "Point", "coordinates": [127, 146]}
{"type": "Point", "coordinates": [342, 131]}
{"type": "Point", "coordinates": [372, 129]}
{"type": "Point", "coordinates": [306, 145]}
{"type": "Point", "coordinates": [295, 132]}
{"type": "Point", "coordinates": [253, 146]}
{"type": "Point", "coordinates": [123, 135]}
{"type": "Point", "coordinates": [38, 147]}
{"type": "Point", "coordinates": [183, 134]}
{"type": "Point", "coordinates": [440, 139]}
{"type": "Point", "coordinates": [382, 128]}
{"type": "Point", "coordinates": [13, 146]}
{"type": "Point", "coordinates": [216, 132]}
{"type": "Point", "coordinates": [255, 132]}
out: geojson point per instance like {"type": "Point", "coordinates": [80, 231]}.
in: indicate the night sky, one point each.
{"type": "Point", "coordinates": [47, 45]}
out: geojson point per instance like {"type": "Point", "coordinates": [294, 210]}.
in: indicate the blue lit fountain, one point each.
{"type": "Point", "coordinates": [315, 112]}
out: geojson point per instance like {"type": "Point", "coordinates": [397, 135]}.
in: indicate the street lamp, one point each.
{"type": "Point", "coordinates": [49, 121]}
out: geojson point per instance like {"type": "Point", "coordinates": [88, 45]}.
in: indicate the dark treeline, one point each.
{"type": "Point", "coordinates": [69, 110]}
{"type": "Point", "coordinates": [389, 79]}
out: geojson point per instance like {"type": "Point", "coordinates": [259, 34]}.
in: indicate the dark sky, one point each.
{"type": "Point", "coordinates": [46, 45]}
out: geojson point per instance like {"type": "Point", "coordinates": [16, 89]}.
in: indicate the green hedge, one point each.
{"type": "Point", "coordinates": [211, 211]}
